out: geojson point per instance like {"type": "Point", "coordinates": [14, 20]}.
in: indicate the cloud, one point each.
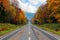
{"type": "Point", "coordinates": [30, 5]}
{"type": "Point", "coordinates": [31, 8]}
{"type": "Point", "coordinates": [27, 7]}
{"type": "Point", "coordinates": [35, 2]}
{"type": "Point", "coordinates": [42, 1]}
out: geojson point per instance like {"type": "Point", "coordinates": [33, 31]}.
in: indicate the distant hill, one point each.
{"type": "Point", "coordinates": [29, 15]}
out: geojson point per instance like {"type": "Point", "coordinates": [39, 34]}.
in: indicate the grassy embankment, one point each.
{"type": "Point", "coordinates": [54, 28]}
{"type": "Point", "coordinates": [6, 28]}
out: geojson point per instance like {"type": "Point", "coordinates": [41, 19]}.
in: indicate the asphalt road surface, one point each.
{"type": "Point", "coordinates": [29, 32]}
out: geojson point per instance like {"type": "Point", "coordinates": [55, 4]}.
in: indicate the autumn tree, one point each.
{"type": "Point", "coordinates": [7, 11]}
{"type": "Point", "coordinates": [41, 14]}
{"type": "Point", "coordinates": [54, 9]}
{"type": "Point", "coordinates": [3, 14]}
{"type": "Point", "coordinates": [49, 13]}
{"type": "Point", "coordinates": [11, 13]}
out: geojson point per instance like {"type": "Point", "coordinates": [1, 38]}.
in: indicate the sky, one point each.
{"type": "Point", "coordinates": [30, 5]}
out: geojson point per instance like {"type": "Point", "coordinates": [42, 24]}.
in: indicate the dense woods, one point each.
{"type": "Point", "coordinates": [10, 13]}
{"type": "Point", "coordinates": [48, 16]}
{"type": "Point", "coordinates": [48, 13]}
{"type": "Point", "coordinates": [11, 16]}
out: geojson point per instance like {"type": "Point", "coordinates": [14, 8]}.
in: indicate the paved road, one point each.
{"type": "Point", "coordinates": [29, 32]}
{"type": "Point", "coordinates": [44, 35]}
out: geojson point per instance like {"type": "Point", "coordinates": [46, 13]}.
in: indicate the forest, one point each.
{"type": "Point", "coordinates": [48, 15]}
{"type": "Point", "coordinates": [11, 17]}
{"type": "Point", "coordinates": [9, 13]}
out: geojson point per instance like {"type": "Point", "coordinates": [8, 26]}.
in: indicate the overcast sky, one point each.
{"type": "Point", "coordinates": [29, 5]}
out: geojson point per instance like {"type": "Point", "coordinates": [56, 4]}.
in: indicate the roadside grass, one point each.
{"type": "Point", "coordinates": [6, 28]}
{"type": "Point", "coordinates": [53, 27]}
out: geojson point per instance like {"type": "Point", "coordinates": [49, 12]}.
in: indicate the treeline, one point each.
{"type": "Point", "coordinates": [48, 13]}
{"type": "Point", "coordinates": [11, 14]}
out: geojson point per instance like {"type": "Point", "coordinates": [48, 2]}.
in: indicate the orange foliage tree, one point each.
{"type": "Point", "coordinates": [54, 8]}
{"type": "Point", "coordinates": [11, 13]}
{"type": "Point", "coordinates": [48, 13]}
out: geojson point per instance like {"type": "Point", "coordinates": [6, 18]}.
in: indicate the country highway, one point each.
{"type": "Point", "coordinates": [30, 32]}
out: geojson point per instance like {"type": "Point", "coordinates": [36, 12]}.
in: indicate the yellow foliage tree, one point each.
{"type": "Point", "coordinates": [54, 8]}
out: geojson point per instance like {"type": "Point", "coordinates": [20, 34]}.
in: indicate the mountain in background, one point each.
{"type": "Point", "coordinates": [29, 15]}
